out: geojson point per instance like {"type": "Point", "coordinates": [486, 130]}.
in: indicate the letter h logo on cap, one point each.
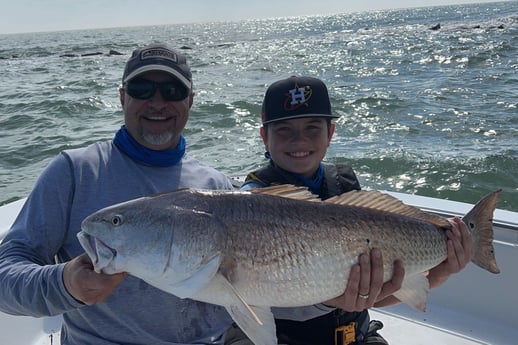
{"type": "Point", "coordinates": [297, 97]}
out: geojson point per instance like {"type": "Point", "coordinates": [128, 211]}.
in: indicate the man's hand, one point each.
{"type": "Point", "coordinates": [87, 286]}
{"type": "Point", "coordinates": [365, 286]}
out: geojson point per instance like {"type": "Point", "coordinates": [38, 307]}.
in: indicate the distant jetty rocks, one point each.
{"type": "Point", "coordinates": [73, 54]}
{"type": "Point", "coordinates": [110, 53]}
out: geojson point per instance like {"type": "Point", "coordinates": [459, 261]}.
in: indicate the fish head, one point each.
{"type": "Point", "coordinates": [121, 238]}
{"type": "Point", "coordinates": [154, 241]}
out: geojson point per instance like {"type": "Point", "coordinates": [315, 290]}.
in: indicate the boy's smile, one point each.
{"type": "Point", "coordinates": [298, 154]}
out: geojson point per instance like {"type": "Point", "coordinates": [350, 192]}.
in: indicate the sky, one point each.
{"type": "Point", "coordinates": [55, 15]}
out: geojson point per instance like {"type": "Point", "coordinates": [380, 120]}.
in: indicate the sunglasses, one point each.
{"type": "Point", "coordinates": [145, 89]}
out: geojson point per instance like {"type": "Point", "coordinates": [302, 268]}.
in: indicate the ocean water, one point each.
{"type": "Point", "coordinates": [430, 112]}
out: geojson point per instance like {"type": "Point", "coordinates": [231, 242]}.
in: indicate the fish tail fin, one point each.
{"type": "Point", "coordinates": [480, 223]}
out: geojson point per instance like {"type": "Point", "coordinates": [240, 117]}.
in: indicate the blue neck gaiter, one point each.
{"type": "Point", "coordinates": [314, 184]}
{"type": "Point", "coordinates": [125, 142]}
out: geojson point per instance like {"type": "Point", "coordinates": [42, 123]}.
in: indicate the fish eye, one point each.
{"type": "Point", "coordinates": [116, 220]}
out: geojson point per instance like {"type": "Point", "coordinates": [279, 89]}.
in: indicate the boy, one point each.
{"type": "Point", "coordinates": [296, 132]}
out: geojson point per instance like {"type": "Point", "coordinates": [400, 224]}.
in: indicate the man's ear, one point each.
{"type": "Point", "coordinates": [191, 99]}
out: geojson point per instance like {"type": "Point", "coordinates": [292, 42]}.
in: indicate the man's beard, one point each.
{"type": "Point", "coordinates": [158, 139]}
{"type": "Point", "coordinates": [164, 137]}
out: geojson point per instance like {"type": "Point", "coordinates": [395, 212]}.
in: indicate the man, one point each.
{"type": "Point", "coordinates": [43, 270]}
{"type": "Point", "coordinates": [297, 130]}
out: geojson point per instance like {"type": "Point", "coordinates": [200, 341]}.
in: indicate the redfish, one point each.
{"type": "Point", "coordinates": [277, 246]}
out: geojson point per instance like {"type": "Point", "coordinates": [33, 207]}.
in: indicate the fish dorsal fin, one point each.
{"type": "Point", "coordinates": [376, 200]}
{"type": "Point", "coordinates": [288, 191]}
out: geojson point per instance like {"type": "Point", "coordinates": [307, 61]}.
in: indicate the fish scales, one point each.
{"type": "Point", "coordinates": [277, 246]}
{"type": "Point", "coordinates": [316, 245]}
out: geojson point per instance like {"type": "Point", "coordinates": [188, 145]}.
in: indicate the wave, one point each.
{"type": "Point", "coordinates": [465, 180]}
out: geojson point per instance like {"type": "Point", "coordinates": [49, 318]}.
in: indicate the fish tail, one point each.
{"type": "Point", "coordinates": [480, 223]}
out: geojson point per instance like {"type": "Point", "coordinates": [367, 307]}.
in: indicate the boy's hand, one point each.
{"type": "Point", "coordinates": [365, 286]}
{"type": "Point", "coordinates": [460, 253]}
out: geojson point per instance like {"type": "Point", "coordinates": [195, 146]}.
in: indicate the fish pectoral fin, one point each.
{"type": "Point", "coordinates": [413, 291]}
{"type": "Point", "coordinates": [259, 334]}
{"type": "Point", "coordinates": [257, 322]}
{"type": "Point", "coordinates": [221, 292]}
{"type": "Point", "coordinates": [189, 286]}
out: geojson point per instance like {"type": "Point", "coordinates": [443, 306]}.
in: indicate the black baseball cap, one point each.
{"type": "Point", "coordinates": [158, 57]}
{"type": "Point", "coordinates": [296, 97]}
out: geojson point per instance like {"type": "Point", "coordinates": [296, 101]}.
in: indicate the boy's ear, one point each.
{"type": "Point", "coordinates": [122, 94]}
{"type": "Point", "coordinates": [331, 132]}
{"type": "Point", "coordinates": [262, 132]}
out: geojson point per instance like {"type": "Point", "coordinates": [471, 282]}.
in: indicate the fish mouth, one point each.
{"type": "Point", "coordinates": [99, 252]}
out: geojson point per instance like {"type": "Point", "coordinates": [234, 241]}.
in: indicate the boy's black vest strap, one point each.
{"type": "Point", "coordinates": [272, 175]}
{"type": "Point", "coordinates": [338, 178]}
